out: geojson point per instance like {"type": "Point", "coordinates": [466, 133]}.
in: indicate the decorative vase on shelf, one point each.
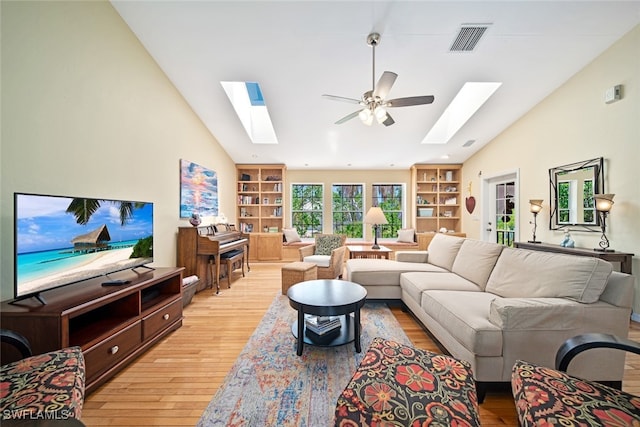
{"type": "Point", "coordinates": [195, 220]}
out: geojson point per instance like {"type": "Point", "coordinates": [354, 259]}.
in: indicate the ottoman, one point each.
{"type": "Point", "coordinates": [398, 385]}
{"type": "Point", "coordinates": [297, 272]}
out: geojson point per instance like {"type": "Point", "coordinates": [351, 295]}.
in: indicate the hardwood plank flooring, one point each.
{"type": "Point", "coordinates": [173, 382]}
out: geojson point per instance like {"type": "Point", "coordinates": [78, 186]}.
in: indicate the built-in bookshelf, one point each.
{"type": "Point", "coordinates": [436, 197]}
{"type": "Point", "coordinates": [260, 198]}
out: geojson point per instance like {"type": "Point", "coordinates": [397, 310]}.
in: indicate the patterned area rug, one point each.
{"type": "Point", "coordinates": [270, 386]}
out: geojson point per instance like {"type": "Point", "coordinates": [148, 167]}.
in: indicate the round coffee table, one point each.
{"type": "Point", "coordinates": [328, 298]}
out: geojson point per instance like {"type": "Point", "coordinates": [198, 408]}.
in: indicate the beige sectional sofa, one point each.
{"type": "Point", "coordinates": [492, 305]}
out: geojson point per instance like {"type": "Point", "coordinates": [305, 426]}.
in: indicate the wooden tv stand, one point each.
{"type": "Point", "coordinates": [112, 324]}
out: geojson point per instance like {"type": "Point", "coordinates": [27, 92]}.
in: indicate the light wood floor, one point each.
{"type": "Point", "coordinates": [172, 383]}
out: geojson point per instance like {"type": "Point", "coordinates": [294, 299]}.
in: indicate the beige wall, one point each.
{"type": "Point", "coordinates": [87, 112]}
{"type": "Point", "coordinates": [571, 125]}
{"type": "Point", "coordinates": [330, 177]}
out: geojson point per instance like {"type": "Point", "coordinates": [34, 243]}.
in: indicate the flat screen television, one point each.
{"type": "Point", "coordinates": [62, 240]}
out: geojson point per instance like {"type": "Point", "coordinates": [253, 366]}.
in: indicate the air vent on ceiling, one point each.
{"type": "Point", "coordinates": [469, 143]}
{"type": "Point", "coordinates": [468, 37]}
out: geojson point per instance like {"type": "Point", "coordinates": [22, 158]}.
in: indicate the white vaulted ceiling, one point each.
{"type": "Point", "coordinates": [299, 50]}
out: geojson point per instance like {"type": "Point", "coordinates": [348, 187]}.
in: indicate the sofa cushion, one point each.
{"type": "Point", "coordinates": [466, 315]}
{"type": "Point", "coordinates": [520, 273]}
{"type": "Point", "coordinates": [443, 250]}
{"type": "Point", "coordinates": [476, 259]}
{"type": "Point", "coordinates": [414, 283]}
{"type": "Point", "coordinates": [382, 271]}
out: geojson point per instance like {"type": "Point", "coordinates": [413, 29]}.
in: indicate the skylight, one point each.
{"type": "Point", "coordinates": [465, 104]}
{"type": "Point", "coordinates": [247, 100]}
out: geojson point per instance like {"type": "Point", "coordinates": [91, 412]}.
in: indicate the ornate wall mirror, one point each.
{"type": "Point", "coordinates": [571, 190]}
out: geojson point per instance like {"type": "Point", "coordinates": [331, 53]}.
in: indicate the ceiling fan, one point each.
{"type": "Point", "coordinates": [374, 102]}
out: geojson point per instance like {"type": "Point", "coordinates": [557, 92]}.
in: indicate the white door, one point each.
{"type": "Point", "coordinates": [499, 215]}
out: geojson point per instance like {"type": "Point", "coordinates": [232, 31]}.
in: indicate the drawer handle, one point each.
{"type": "Point", "coordinates": [114, 349]}
{"type": "Point", "coordinates": [165, 317]}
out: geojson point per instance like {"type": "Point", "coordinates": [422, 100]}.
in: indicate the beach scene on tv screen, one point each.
{"type": "Point", "coordinates": [62, 240]}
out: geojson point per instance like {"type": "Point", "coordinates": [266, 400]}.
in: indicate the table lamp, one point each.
{"type": "Point", "coordinates": [375, 216]}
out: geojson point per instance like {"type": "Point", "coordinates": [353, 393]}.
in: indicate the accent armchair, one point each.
{"type": "Point", "coordinates": [544, 396]}
{"type": "Point", "coordinates": [327, 253]}
{"type": "Point", "coordinates": [47, 386]}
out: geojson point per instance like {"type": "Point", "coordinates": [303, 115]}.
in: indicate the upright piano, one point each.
{"type": "Point", "coordinates": [200, 250]}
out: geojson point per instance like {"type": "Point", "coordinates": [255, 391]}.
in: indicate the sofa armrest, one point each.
{"type": "Point", "coordinates": [307, 251]}
{"type": "Point", "coordinates": [511, 314]}
{"type": "Point", "coordinates": [619, 290]}
{"type": "Point", "coordinates": [412, 256]}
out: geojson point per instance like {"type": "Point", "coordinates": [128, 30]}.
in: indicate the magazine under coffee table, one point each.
{"type": "Point", "coordinates": [328, 298]}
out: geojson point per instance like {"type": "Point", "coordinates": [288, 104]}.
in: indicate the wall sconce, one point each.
{"type": "Point", "coordinates": [535, 208]}
{"type": "Point", "coordinates": [375, 216]}
{"type": "Point", "coordinates": [604, 202]}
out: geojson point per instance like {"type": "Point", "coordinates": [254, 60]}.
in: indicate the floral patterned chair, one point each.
{"type": "Point", "coordinates": [47, 386]}
{"type": "Point", "coordinates": [550, 397]}
{"type": "Point", "coordinates": [398, 385]}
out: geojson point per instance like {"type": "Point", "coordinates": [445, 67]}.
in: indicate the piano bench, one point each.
{"type": "Point", "coordinates": [230, 259]}
{"type": "Point", "coordinates": [296, 272]}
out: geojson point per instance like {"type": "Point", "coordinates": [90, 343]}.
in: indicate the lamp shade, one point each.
{"type": "Point", "coordinates": [375, 216]}
{"type": "Point", "coordinates": [604, 202]}
{"type": "Point", "coordinates": [536, 205]}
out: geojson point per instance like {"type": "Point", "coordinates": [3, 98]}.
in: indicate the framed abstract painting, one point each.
{"type": "Point", "coordinates": [198, 190]}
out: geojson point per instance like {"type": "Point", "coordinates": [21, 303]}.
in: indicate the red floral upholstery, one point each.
{"type": "Point", "coordinates": [398, 385]}
{"type": "Point", "coordinates": [48, 385]}
{"type": "Point", "coordinates": [547, 397]}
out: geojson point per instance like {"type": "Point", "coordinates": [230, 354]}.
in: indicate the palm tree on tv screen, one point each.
{"type": "Point", "coordinates": [83, 209]}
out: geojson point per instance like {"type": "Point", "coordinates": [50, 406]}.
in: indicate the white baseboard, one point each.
{"type": "Point", "coordinates": [635, 317]}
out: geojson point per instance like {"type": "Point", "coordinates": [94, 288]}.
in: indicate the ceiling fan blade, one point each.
{"type": "Point", "coordinates": [409, 101]}
{"type": "Point", "coordinates": [384, 84]}
{"type": "Point", "coordinates": [388, 121]}
{"type": "Point", "coordinates": [348, 117]}
{"type": "Point", "coordinates": [341, 99]}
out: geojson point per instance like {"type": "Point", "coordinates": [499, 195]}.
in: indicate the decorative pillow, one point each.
{"type": "Point", "coordinates": [406, 235]}
{"type": "Point", "coordinates": [326, 244]}
{"type": "Point", "coordinates": [291, 235]}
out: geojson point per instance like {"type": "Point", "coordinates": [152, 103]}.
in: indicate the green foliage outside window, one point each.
{"type": "Point", "coordinates": [307, 208]}
{"type": "Point", "coordinates": [389, 198]}
{"type": "Point", "coordinates": [347, 208]}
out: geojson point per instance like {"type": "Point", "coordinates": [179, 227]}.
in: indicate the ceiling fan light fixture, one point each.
{"type": "Point", "coordinates": [365, 115]}
{"type": "Point", "coordinates": [369, 121]}
{"type": "Point", "coordinates": [380, 113]}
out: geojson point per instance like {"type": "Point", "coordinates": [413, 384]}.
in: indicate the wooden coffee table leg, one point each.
{"type": "Point", "coordinates": [300, 343]}
{"type": "Point", "coordinates": [356, 330]}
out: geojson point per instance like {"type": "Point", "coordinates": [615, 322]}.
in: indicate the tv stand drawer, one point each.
{"type": "Point", "coordinates": [161, 319]}
{"type": "Point", "coordinates": [110, 352]}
